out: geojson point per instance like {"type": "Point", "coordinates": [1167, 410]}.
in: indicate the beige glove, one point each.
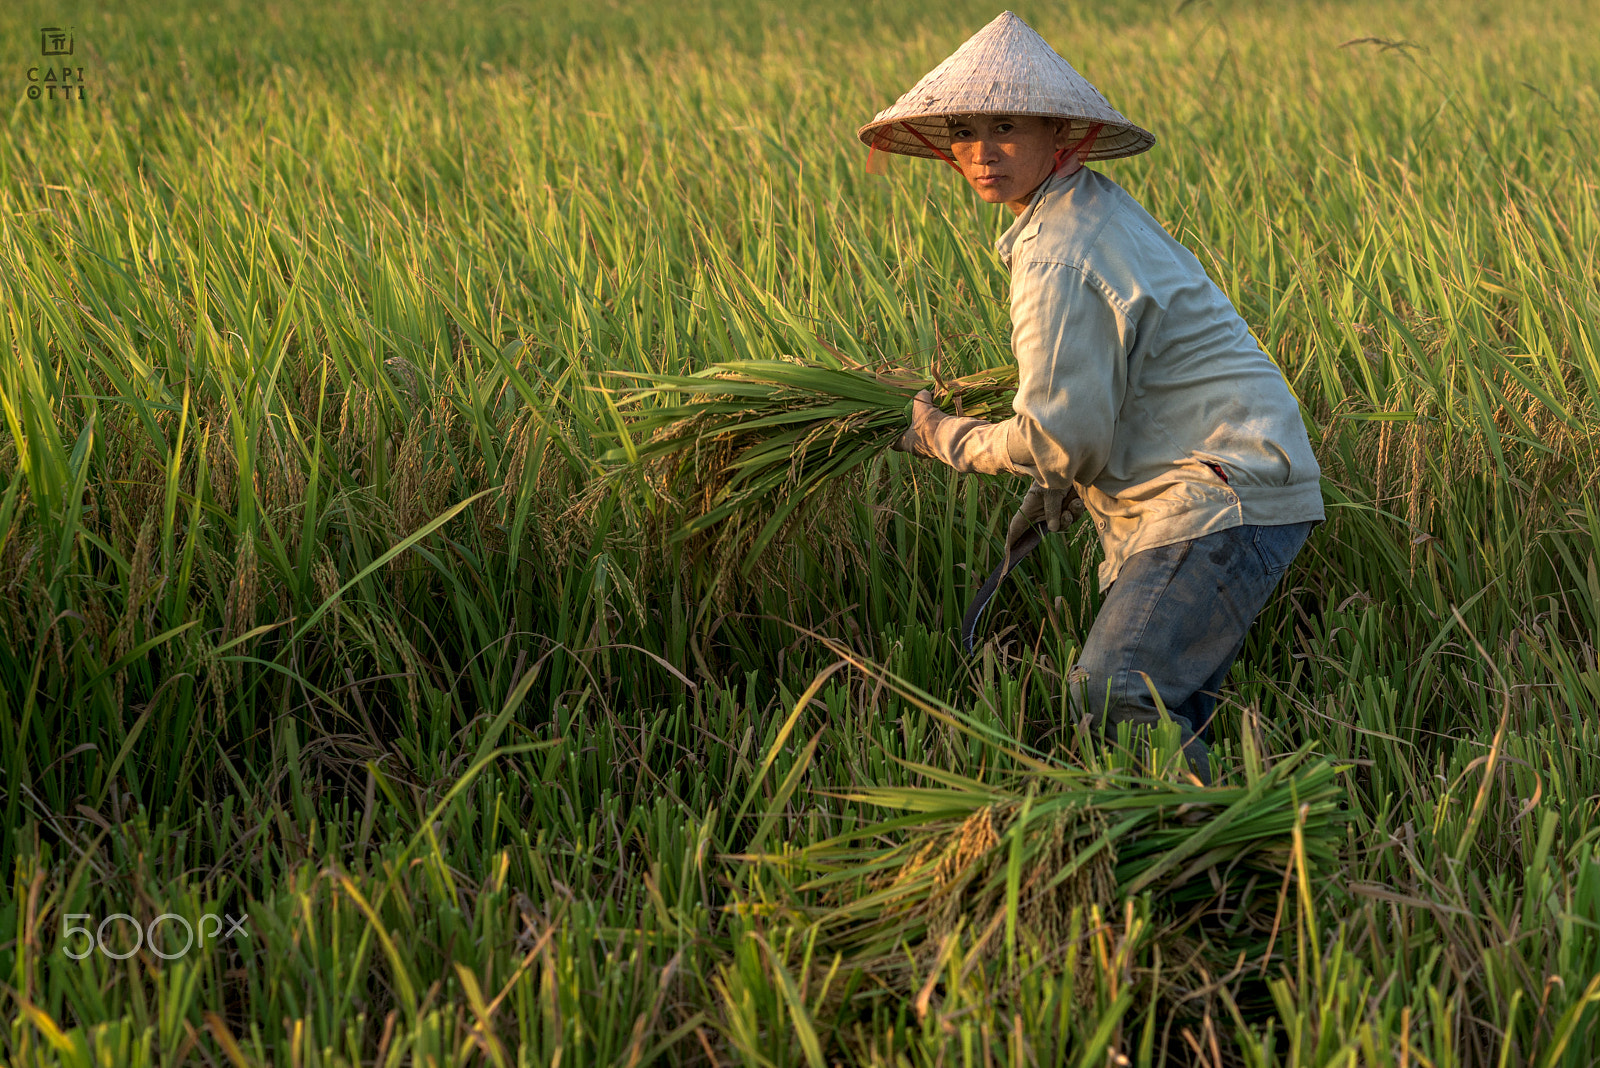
{"type": "Point", "coordinates": [1056, 508]}
{"type": "Point", "coordinates": [963, 442]}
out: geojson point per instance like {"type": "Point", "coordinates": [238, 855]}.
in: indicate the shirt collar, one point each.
{"type": "Point", "coordinates": [1051, 189]}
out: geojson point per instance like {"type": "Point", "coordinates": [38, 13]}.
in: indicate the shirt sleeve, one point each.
{"type": "Point", "coordinates": [1071, 343]}
{"type": "Point", "coordinates": [977, 446]}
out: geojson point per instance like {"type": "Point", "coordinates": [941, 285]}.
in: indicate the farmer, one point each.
{"type": "Point", "coordinates": [1142, 397]}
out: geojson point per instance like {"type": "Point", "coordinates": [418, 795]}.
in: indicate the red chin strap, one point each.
{"type": "Point", "coordinates": [914, 132]}
{"type": "Point", "coordinates": [1084, 143]}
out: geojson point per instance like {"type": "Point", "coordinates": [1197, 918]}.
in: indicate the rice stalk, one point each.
{"type": "Point", "coordinates": [1091, 838]}
{"type": "Point", "coordinates": [741, 447]}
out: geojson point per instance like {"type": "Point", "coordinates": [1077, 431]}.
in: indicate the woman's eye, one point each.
{"type": "Point", "coordinates": [1004, 127]}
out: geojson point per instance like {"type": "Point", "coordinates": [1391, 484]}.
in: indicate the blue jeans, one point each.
{"type": "Point", "coordinates": [1179, 613]}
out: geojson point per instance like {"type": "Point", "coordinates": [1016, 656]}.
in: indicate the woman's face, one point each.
{"type": "Point", "coordinates": [1005, 157]}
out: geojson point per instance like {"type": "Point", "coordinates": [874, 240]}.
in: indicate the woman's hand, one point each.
{"type": "Point", "coordinates": [1058, 509]}
{"type": "Point", "coordinates": [925, 419]}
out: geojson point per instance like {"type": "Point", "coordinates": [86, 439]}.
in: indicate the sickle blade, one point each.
{"type": "Point", "coordinates": [1015, 554]}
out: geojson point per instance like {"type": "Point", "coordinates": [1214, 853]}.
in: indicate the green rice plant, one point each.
{"type": "Point", "coordinates": [741, 446]}
{"type": "Point", "coordinates": [297, 280]}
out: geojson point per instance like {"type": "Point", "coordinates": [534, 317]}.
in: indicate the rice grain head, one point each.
{"type": "Point", "coordinates": [967, 888]}
{"type": "Point", "coordinates": [240, 608]}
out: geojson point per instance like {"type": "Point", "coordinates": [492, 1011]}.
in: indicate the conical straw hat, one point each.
{"type": "Point", "coordinates": [1004, 69]}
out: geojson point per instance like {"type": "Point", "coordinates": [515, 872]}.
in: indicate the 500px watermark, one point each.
{"type": "Point", "coordinates": [147, 935]}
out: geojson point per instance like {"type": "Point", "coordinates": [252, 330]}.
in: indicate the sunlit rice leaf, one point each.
{"type": "Point", "coordinates": [746, 445]}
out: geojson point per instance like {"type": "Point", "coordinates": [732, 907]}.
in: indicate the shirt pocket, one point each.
{"type": "Point", "coordinates": [1250, 462]}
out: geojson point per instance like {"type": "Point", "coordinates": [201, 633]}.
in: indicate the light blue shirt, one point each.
{"type": "Point", "coordinates": [1135, 374]}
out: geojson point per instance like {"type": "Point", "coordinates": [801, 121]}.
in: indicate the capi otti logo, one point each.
{"type": "Point", "coordinates": [54, 41]}
{"type": "Point", "coordinates": [59, 79]}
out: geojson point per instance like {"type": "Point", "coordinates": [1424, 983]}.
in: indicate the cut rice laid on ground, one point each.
{"type": "Point", "coordinates": [980, 861]}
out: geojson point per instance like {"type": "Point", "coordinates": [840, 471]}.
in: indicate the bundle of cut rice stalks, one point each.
{"type": "Point", "coordinates": [995, 863]}
{"type": "Point", "coordinates": [740, 446]}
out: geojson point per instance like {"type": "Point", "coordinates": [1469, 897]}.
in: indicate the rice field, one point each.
{"type": "Point", "coordinates": [348, 626]}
